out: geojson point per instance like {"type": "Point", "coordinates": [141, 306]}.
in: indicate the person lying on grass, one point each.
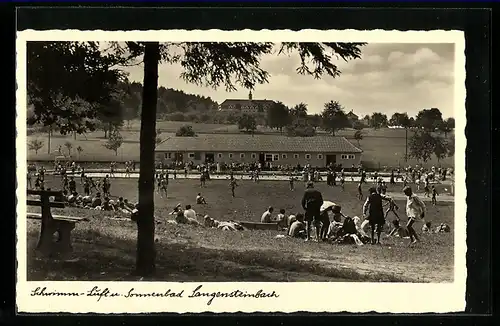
{"type": "Point", "coordinates": [200, 199]}
{"type": "Point", "coordinates": [298, 228]}
{"type": "Point", "coordinates": [226, 226]}
{"type": "Point", "coordinates": [398, 230]}
{"type": "Point", "coordinates": [426, 228]}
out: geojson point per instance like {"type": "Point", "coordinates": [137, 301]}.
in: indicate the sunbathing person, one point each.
{"type": "Point", "coordinates": [426, 228]}
{"type": "Point", "coordinates": [267, 216]}
{"type": "Point", "coordinates": [97, 201]}
{"type": "Point", "coordinates": [200, 199]}
{"type": "Point", "coordinates": [281, 219]}
{"type": "Point", "coordinates": [398, 230]}
{"type": "Point", "coordinates": [226, 226]}
{"type": "Point", "coordinates": [298, 228]}
{"type": "Point", "coordinates": [176, 210]}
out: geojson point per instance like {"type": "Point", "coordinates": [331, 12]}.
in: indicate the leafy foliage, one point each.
{"type": "Point", "coordinates": [400, 120]}
{"type": "Point", "coordinates": [114, 142]}
{"type": "Point", "coordinates": [56, 72]}
{"type": "Point", "coordinates": [299, 110]}
{"type": "Point", "coordinates": [429, 119]}
{"type": "Point", "coordinates": [378, 120]}
{"type": "Point", "coordinates": [358, 135]}
{"type": "Point", "coordinates": [35, 145]}
{"type": "Point", "coordinates": [247, 123]}
{"type": "Point", "coordinates": [278, 116]}
{"type": "Point", "coordinates": [185, 131]}
{"type": "Point", "coordinates": [69, 147]}
{"type": "Point", "coordinates": [300, 127]}
{"type": "Point", "coordinates": [334, 117]}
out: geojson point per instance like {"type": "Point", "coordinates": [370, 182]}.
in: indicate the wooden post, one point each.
{"type": "Point", "coordinates": [45, 239]}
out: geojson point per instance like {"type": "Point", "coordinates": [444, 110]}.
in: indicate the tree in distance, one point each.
{"type": "Point", "coordinates": [69, 147]}
{"type": "Point", "coordinates": [334, 117]}
{"type": "Point", "coordinates": [378, 120]}
{"type": "Point", "coordinates": [114, 142]}
{"type": "Point", "coordinates": [248, 123]}
{"type": "Point", "coordinates": [185, 131]}
{"type": "Point", "coordinates": [358, 135]}
{"type": "Point", "coordinates": [35, 145]}
{"type": "Point", "coordinates": [429, 119]}
{"type": "Point", "coordinates": [79, 149]}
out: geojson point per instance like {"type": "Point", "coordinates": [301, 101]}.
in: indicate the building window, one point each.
{"type": "Point", "coordinates": [295, 155]}
{"type": "Point", "coordinates": [283, 156]}
{"type": "Point", "coordinates": [230, 155]}
{"type": "Point", "coordinates": [351, 156]}
{"type": "Point", "coordinates": [254, 155]}
{"type": "Point", "coordinates": [344, 156]}
{"type": "Point", "coordinates": [219, 155]}
{"type": "Point", "coordinates": [168, 155]}
{"type": "Point", "coordinates": [276, 157]}
{"type": "Point", "coordinates": [268, 157]}
{"type": "Point", "coordinates": [308, 156]}
{"type": "Point", "coordinates": [191, 155]}
{"type": "Point", "coordinates": [242, 155]}
{"type": "Point", "coordinates": [320, 156]}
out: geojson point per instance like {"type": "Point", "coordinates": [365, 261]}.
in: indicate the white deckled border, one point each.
{"type": "Point", "coordinates": [293, 297]}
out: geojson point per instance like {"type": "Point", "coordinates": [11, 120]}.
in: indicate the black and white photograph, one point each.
{"type": "Point", "coordinates": [260, 167]}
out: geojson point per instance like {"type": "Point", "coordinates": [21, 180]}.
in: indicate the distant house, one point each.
{"type": "Point", "coordinates": [281, 150]}
{"type": "Point", "coordinates": [249, 106]}
{"type": "Point", "coordinates": [352, 117]}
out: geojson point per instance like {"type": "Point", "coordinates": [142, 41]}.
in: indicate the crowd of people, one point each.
{"type": "Point", "coordinates": [325, 217]}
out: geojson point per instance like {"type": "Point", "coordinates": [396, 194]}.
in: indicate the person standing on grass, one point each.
{"type": "Point", "coordinates": [415, 208]}
{"type": "Point", "coordinates": [373, 211]}
{"type": "Point", "coordinates": [392, 208]}
{"type": "Point", "coordinates": [426, 188]}
{"type": "Point", "coordinates": [291, 180]}
{"type": "Point", "coordinates": [311, 203]}
{"type": "Point", "coordinates": [127, 171]}
{"type": "Point", "coordinates": [202, 180]}
{"type": "Point", "coordinates": [233, 185]}
{"type": "Point", "coordinates": [28, 178]}
{"type": "Point", "coordinates": [360, 191]}
{"type": "Point", "coordinates": [434, 195]}
{"type": "Point", "coordinates": [163, 186]}
{"type": "Point", "coordinates": [342, 182]}
{"type": "Point", "coordinates": [391, 180]}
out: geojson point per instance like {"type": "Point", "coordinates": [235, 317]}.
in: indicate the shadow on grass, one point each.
{"type": "Point", "coordinates": [103, 258]}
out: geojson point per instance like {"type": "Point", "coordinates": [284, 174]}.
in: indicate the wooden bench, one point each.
{"type": "Point", "coordinates": [51, 225]}
{"type": "Point", "coordinates": [259, 226]}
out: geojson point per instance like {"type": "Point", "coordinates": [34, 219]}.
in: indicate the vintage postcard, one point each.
{"type": "Point", "coordinates": [241, 171]}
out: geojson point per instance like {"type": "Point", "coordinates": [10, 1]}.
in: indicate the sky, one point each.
{"type": "Point", "coordinates": [389, 78]}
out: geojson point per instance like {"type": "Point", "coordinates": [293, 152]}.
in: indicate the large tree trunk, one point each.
{"type": "Point", "coordinates": [146, 254]}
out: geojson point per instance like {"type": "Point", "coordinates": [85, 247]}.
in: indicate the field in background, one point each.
{"type": "Point", "coordinates": [383, 147]}
{"type": "Point", "coordinates": [106, 247]}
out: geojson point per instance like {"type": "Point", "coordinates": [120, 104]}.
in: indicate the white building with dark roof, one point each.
{"type": "Point", "coordinates": [281, 150]}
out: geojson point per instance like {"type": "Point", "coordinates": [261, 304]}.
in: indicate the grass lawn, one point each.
{"type": "Point", "coordinates": [106, 246]}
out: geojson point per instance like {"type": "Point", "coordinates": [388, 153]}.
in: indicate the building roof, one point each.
{"type": "Point", "coordinates": [258, 143]}
{"type": "Point", "coordinates": [245, 101]}
{"type": "Point", "coordinates": [352, 114]}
